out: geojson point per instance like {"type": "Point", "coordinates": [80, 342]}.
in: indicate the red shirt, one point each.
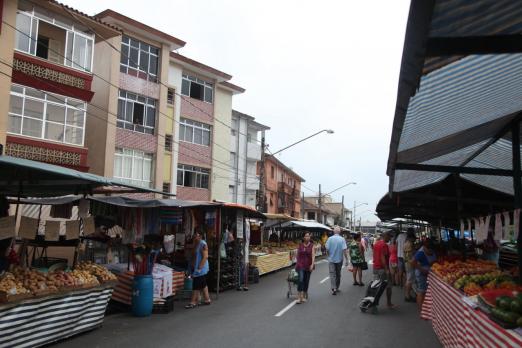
{"type": "Point", "coordinates": [393, 253]}
{"type": "Point", "coordinates": [380, 248]}
{"type": "Point", "coordinates": [304, 257]}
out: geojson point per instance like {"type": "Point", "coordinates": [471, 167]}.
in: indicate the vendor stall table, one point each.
{"type": "Point", "coordinates": [459, 325]}
{"type": "Point", "coordinates": [40, 321]}
{"type": "Point", "coordinates": [267, 263]}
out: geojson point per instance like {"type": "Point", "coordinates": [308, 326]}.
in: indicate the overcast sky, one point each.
{"type": "Point", "coordinates": [306, 66]}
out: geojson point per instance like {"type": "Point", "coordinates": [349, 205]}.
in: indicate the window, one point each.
{"type": "Point", "coordinates": [194, 132]}
{"type": "Point", "coordinates": [272, 172]}
{"type": "Point", "coordinates": [168, 142]}
{"type": "Point", "coordinates": [53, 38]}
{"type": "Point", "coordinates": [166, 188]}
{"type": "Point", "coordinates": [311, 215]}
{"type": "Point", "coordinates": [170, 96]}
{"type": "Point", "coordinates": [252, 137]}
{"type": "Point", "coordinates": [191, 176]}
{"type": "Point", "coordinates": [196, 88]}
{"type": "Point", "coordinates": [46, 116]}
{"type": "Point", "coordinates": [136, 112]}
{"type": "Point", "coordinates": [139, 59]}
{"type": "Point", "coordinates": [133, 166]}
{"type": "Point", "coordinates": [233, 127]}
{"type": "Point", "coordinates": [233, 160]}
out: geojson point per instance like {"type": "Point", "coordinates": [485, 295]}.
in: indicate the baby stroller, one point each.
{"type": "Point", "coordinates": [374, 292]}
{"type": "Point", "coordinates": [292, 279]}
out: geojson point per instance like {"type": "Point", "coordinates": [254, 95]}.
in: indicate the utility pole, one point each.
{"type": "Point", "coordinates": [343, 222]}
{"type": "Point", "coordinates": [354, 224]}
{"type": "Point", "coordinates": [261, 196]}
{"type": "Point", "coordinates": [302, 207]}
{"type": "Point", "coordinates": [319, 203]}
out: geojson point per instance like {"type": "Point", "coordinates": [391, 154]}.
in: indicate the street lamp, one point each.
{"type": "Point", "coordinates": [328, 131]}
{"type": "Point", "coordinates": [355, 205]}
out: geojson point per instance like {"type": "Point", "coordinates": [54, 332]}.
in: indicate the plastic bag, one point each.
{"type": "Point", "coordinates": [223, 251]}
{"type": "Point", "coordinates": [350, 267]}
{"type": "Point", "coordinates": [168, 243]}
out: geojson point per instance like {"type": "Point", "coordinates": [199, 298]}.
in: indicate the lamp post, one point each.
{"type": "Point", "coordinates": [355, 205]}
{"type": "Point", "coordinates": [328, 131]}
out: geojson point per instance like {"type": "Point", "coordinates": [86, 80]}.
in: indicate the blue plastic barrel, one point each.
{"type": "Point", "coordinates": [142, 295]}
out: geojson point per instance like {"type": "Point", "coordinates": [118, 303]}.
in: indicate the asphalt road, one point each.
{"type": "Point", "coordinates": [248, 319]}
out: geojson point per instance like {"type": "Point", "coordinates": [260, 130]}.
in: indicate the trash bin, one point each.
{"type": "Point", "coordinates": [142, 295]}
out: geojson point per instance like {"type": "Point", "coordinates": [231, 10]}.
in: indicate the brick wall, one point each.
{"type": "Point", "coordinates": [194, 111]}
{"type": "Point", "coordinates": [136, 85]}
{"type": "Point", "coordinates": [192, 193]}
{"type": "Point", "coordinates": [134, 140]}
{"type": "Point", "coordinates": [194, 154]}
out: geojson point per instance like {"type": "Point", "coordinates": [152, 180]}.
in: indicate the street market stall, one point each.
{"type": "Point", "coordinates": [455, 151]}
{"type": "Point", "coordinates": [275, 255]}
{"type": "Point", "coordinates": [41, 302]}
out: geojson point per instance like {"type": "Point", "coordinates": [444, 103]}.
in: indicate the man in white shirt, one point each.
{"type": "Point", "coordinates": [401, 238]}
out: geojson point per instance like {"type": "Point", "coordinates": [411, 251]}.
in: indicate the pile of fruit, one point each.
{"type": "Point", "coordinates": [35, 281]}
{"type": "Point", "coordinates": [100, 272]}
{"type": "Point", "coordinates": [11, 286]}
{"type": "Point", "coordinates": [474, 284]}
{"type": "Point", "coordinates": [508, 308]}
{"type": "Point", "coordinates": [84, 278]}
{"type": "Point", "coordinates": [450, 272]}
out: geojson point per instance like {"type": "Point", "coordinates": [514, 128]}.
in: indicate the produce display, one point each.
{"type": "Point", "coordinates": [505, 306]}
{"type": "Point", "coordinates": [100, 272]}
{"type": "Point", "coordinates": [273, 247]}
{"type": "Point", "coordinates": [473, 276]}
{"type": "Point", "coordinates": [30, 282]}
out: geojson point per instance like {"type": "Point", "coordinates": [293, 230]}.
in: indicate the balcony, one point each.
{"type": "Point", "coordinates": [254, 151]}
{"type": "Point", "coordinates": [287, 189]}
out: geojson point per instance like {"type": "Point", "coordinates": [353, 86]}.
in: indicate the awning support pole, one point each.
{"type": "Point", "coordinates": [462, 240]}
{"type": "Point", "coordinates": [517, 187]}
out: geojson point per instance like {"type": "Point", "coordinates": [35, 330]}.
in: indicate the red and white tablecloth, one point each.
{"type": "Point", "coordinates": [457, 324]}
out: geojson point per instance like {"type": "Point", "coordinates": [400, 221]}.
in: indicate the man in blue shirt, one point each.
{"type": "Point", "coordinates": [199, 274]}
{"type": "Point", "coordinates": [336, 248]}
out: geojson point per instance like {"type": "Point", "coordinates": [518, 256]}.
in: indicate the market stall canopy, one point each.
{"type": "Point", "coordinates": [26, 178]}
{"type": "Point", "coordinates": [248, 210]}
{"type": "Point", "coordinates": [282, 217]}
{"type": "Point", "coordinates": [151, 203]}
{"type": "Point", "coordinates": [304, 224]}
{"type": "Point", "coordinates": [459, 97]}
{"type": "Point", "coordinates": [438, 203]}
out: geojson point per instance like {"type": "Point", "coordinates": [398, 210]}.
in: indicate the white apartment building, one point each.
{"type": "Point", "coordinates": [245, 152]}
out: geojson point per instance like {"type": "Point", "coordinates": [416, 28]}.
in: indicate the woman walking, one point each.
{"type": "Point", "coordinates": [357, 259]}
{"type": "Point", "coordinates": [394, 262]}
{"type": "Point", "coordinates": [304, 267]}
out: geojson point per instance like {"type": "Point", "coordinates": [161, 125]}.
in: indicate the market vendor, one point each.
{"type": "Point", "coordinates": [200, 270]}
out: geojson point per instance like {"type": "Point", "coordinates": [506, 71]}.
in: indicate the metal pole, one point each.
{"type": "Point", "coordinates": [261, 194]}
{"type": "Point", "coordinates": [517, 187]}
{"type": "Point", "coordinates": [343, 223]}
{"type": "Point", "coordinates": [302, 207]}
{"type": "Point", "coordinates": [354, 223]}
{"type": "Point", "coordinates": [218, 237]}
{"type": "Point", "coordinates": [320, 217]}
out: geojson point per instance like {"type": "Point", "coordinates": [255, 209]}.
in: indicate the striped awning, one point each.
{"type": "Point", "coordinates": [454, 109]}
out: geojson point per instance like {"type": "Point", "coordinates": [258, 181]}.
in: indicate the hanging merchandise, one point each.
{"type": "Point", "coordinates": [62, 211]}
{"type": "Point", "coordinates": [7, 227]}
{"type": "Point", "coordinates": [498, 227]}
{"type": "Point", "coordinates": [88, 226]}
{"type": "Point", "coordinates": [72, 229]}
{"type": "Point", "coordinates": [128, 236]}
{"type": "Point", "coordinates": [507, 224]}
{"type": "Point", "coordinates": [168, 243]}
{"type": "Point", "coordinates": [83, 208]}
{"type": "Point", "coordinates": [461, 229]}
{"type": "Point", "coordinates": [171, 216]}
{"type": "Point", "coordinates": [210, 218]}
{"type": "Point", "coordinates": [28, 228]}
{"type": "Point", "coordinates": [516, 217]}
{"type": "Point", "coordinates": [52, 230]}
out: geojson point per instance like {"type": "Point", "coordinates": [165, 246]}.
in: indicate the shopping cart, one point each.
{"type": "Point", "coordinates": [292, 279]}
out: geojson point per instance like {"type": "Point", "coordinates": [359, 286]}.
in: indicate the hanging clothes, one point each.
{"type": "Point", "coordinates": [516, 217]}
{"type": "Point", "coordinates": [507, 224]}
{"type": "Point", "coordinates": [83, 207]}
{"type": "Point", "coordinates": [498, 227]}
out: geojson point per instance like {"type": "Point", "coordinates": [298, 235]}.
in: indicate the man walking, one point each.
{"type": "Point", "coordinates": [381, 264]}
{"type": "Point", "coordinates": [336, 248]}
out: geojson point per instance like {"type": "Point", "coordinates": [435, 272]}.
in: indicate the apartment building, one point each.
{"type": "Point", "coordinates": [202, 111]}
{"type": "Point", "coordinates": [331, 213]}
{"type": "Point", "coordinates": [245, 152]}
{"type": "Point", "coordinates": [282, 188]}
{"type": "Point", "coordinates": [47, 77]}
